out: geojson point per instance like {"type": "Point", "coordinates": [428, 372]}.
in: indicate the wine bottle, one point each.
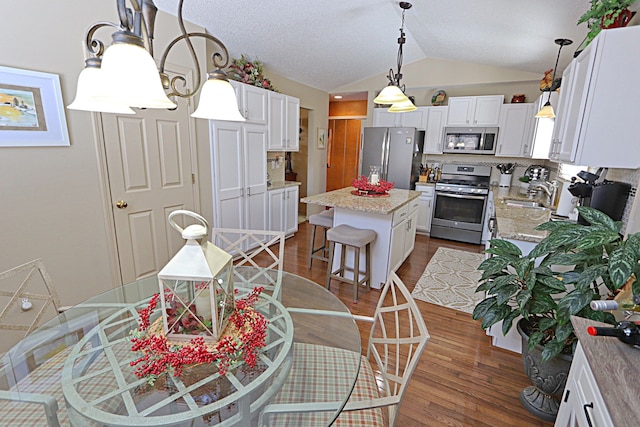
{"type": "Point", "coordinates": [626, 331]}
{"type": "Point", "coordinates": [628, 304]}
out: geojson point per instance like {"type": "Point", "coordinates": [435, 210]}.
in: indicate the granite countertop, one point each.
{"type": "Point", "coordinates": [344, 199]}
{"type": "Point", "coordinates": [518, 223]}
{"type": "Point", "coordinates": [282, 184]}
{"type": "Point", "coordinates": [616, 368]}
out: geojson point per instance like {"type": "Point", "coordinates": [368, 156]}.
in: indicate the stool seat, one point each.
{"type": "Point", "coordinates": [323, 219]}
{"type": "Point", "coordinates": [351, 236]}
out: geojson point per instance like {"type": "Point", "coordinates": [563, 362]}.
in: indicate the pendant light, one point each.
{"type": "Point", "coordinates": [125, 74]}
{"type": "Point", "coordinates": [547, 110]}
{"type": "Point", "coordinates": [394, 92]}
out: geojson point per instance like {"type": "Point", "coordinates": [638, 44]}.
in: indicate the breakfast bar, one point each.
{"type": "Point", "coordinates": [393, 217]}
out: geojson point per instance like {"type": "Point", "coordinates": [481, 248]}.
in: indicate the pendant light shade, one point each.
{"type": "Point", "coordinates": [402, 107]}
{"type": "Point", "coordinates": [546, 112]}
{"type": "Point", "coordinates": [218, 99]}
{"type": "Point", "coordinates": [90, 90]}
{"type": "Point", "coordinates": [390, 95]}
{"type": "Point", "coordinates": [132, 75]}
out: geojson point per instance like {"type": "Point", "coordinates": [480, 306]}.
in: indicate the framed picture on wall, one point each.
{"type": "Point", "coordinates": [322, 136]}
{"type": "Point", "coordinates": [31, 109]}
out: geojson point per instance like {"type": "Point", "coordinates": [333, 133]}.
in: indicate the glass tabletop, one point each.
{"type": "Point", "coordinates": [319, 320]}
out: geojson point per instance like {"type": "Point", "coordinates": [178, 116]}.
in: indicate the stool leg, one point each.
{"type": "Point", "coordinates": [313, 240]}
{"type": "Point", "coordinates": [330, 265]}
{"type": "Point", "coordinates": [368, 265]}
{"type": "Point", "coordinates": [356, 274]}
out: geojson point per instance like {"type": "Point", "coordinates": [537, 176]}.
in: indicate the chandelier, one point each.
{"type": "Point", "coordinates": [394, 92]}
{"type": "Point", "coordinates": [125, 74]}
{"type": "Point", "coordinates": [547, 110]}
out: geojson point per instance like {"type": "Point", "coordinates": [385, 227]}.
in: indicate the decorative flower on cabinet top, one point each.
{"type": "Point", "coordinates": [249, 72]}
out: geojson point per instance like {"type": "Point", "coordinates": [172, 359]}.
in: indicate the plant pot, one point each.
{"type": "Point", "coordinates": [621, 20]}
{"type": "Point", "coordinates": [549, 378]}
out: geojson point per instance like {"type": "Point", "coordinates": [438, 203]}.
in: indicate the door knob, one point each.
{"type": "Point", "coordinates": [121, 204]}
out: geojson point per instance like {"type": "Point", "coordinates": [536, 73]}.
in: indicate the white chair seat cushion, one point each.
{"type": "Point", "coordinates": [319, 373]}
{"type": "Point", "coordinates": [352, 236]}
{"type": "Point", "coordinates": [323, 219]}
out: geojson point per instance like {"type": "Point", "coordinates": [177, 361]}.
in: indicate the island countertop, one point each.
{"type": "Point", "coordinates": [344, 199]}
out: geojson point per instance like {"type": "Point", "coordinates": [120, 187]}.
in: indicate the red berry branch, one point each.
{"type": "Point", "coordinates": [362, 184]}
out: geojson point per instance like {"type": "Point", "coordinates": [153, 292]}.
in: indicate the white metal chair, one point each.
{"type": "Point", "coordinates": [261, 250]}
{"type": "Point", "coordinates": [397, 339]}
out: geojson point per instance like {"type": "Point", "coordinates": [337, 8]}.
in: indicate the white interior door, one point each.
{"type": "Point", "coordinates": [150, 174]}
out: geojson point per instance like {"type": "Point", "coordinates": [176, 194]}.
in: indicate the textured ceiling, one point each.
{"type": "Point", "coordinates": [331, 43]}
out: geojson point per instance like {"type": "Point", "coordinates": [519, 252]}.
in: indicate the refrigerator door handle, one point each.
{"type": "Point", "coordinates": [385, 154]}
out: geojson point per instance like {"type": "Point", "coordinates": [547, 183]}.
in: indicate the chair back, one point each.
{"type": "Point", "coordinates": [260, 251]}
{"type": "Point", "coordinates": [396, 342]}
{"type": "Point", "coordinates": [31, 282]}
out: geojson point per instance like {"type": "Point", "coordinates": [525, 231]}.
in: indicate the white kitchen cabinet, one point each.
{"type": "Point", "coordinates": [284, 122]}
{"type": "Point", "coordinates": [436, 118]}
{"type": "Point", "coordinates": [474, 110]}
{"type": "Point", "coordinates": [598, 105]}
{"type": "Point", "coordinates": [516, 130]}
{"type": "Point", "coordinates": [403, 234]}
{"type": "Point", "coordinates": [283, 209]}
{"type": "Point", "coordinates": [425, 207]}
{"type": "Point", "coordinates": [252, 102]}
{"type": "Point", "coordinates": [411, 119]}
{"type": "Point", "coordinates": [239, 175]}
{"type": "Point", "coordinates": [582, 404]}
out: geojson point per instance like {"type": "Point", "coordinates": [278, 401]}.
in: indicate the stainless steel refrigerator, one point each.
{"type": "Point", "coordinates": [396, 151]}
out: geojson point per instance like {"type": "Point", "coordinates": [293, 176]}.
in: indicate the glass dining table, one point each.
{"type": "Point", "coordinates": [75, 370]}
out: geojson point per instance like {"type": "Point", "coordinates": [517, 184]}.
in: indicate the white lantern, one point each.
{"type": "Point", "coordinates": [196, 286]}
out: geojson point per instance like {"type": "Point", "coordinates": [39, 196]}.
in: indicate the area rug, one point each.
{"type": "Point", "coordinates": [450, 280]}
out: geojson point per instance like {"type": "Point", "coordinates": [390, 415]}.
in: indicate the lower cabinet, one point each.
{"type": "Point", "coordinates": [582, 404]}
{"type": "Point", "coordinates": [283, 209]}
{"type": "Point", "coordinates": [403, 234]}
{"type": "Point", "coordinates": [425, 208]}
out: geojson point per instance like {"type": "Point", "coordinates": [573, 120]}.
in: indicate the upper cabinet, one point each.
{"type": "Point", "coordinates": [284, 122]}
{"type": "Point", "coordinates": [516, 130]}
{"type": "Point", "coordinates": [412, 119]}
{"type": "Point", "coordinates": [252, 102]}
{"type": "Point", "coordinates": [474, 110]}
{"type": "Point", "coordinates": [598, 103]}
{"type": "Point", "coordinates": [436, 118]}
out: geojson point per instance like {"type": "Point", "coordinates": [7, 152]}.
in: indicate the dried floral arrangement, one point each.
{"type": "Point", "coordinates": [362, 184]}
{"type": "Point", "coordinates": [250, 72]}
{"type": "Point", "coordinates": [244, 336]}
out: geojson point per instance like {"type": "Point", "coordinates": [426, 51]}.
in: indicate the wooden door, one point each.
{"type": "Point", "coordinates": [343, 158]}
{"type": "Point", "coordinates": [150, 174]}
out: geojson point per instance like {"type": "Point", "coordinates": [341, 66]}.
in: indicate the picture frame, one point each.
{"type": "Point", "coordinates": [322, 139]}
{"type": "Point", "coordinates": [31, 109]}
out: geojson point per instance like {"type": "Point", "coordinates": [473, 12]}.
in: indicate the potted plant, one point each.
{"type": "Point", "coordinates": [596, 261]}
{"type": "Point", "coordinates": [605, 14]}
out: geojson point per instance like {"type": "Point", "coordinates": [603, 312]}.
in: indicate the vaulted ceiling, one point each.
{"type": "Point", "coordinates": [330, 43]}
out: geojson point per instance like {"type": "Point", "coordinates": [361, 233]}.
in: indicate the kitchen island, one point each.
{"type": "Point", "coordinates": [392, 217]}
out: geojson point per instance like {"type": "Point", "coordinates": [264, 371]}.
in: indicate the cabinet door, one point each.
{"type": "Point", "coordinates": [292, 135]}
{"type": "Point", "coordinates": [255, 104]}
{"type": "Point", "coordinates": [383, 118]}
{"type": "Point", "coordinates": [227, 174]}
{"type": "Point", "coordinates": [413, 119]}
{"type": "Point", "coordinates": [276, 210]}
{"type": "Point", "coordinates": [255, 177]}
{"type": "Point", "coordinates": [410, 234]}
{"type": "Point", "coordinates": [423, 221]}
{"type": "Point", "coordinates": [277, 121]}
{"type": "Point", "coordinates": [461, 109]}
{"type": "Point", "coordinates": [291, 210]}
{"type": "Point", "coordinates": [396, 253]}
{"type": "Point", "coordinates": [436, 120]}
{"type": "Point", "coordinates": [514, 136]}
{"type": "Point", "coordinates": [487, 110]}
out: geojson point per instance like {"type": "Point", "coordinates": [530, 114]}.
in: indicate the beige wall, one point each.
{"type": "Point", "coordinates": [53, 203]}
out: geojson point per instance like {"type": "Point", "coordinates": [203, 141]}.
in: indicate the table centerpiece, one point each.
{"type": "Point", "coordinates": [364, 187]}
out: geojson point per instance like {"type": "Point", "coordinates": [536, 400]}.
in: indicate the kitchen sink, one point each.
{"type": "Point", "coordinates": [524, 204]}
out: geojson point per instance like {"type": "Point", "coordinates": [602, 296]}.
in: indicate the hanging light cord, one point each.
{"type": "Point", "coordinates": [394, 79]}
{"type": "Point", "coordinates": [562, 43]}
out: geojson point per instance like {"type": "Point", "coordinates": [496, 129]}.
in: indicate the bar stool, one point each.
{"type": "Point", "coordinates": [325, 220]}
{"type": "Point", "coordinates": [355, 238]}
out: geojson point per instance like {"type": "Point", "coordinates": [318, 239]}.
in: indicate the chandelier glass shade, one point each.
{"type": "Point", "coordinates": [125, 74]}
{"type": "Point", "coordinates": [390, 95]}
{"type": "Point", "coordinates": [547, 110]}
{"type": "Point", "coordinates": [402, 107]}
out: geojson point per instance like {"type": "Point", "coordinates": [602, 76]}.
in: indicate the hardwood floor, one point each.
{"type": "Point", "coordinates": [461, 380]}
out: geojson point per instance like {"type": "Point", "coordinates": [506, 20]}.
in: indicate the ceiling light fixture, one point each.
{"type": "Point", "coordinates": [394, 92]}
{"type": "Point", "coordinates": [125, 75]}
{"type": "Point", "coordinates": [547, 110]}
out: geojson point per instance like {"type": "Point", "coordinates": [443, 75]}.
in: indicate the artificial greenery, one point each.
{"type": "Point", "coordinates": [599, 261]}
{"type": "Point", "coordinates": [602, 14]}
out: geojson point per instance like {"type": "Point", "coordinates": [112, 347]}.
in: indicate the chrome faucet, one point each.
{"type": "Point", "coordinates": [550, 189]}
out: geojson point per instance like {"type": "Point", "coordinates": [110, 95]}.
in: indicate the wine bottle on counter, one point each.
{"type": "Point", "coordinates": [628, 304]}
{"type": "Point", "coordinates": [626, 331]}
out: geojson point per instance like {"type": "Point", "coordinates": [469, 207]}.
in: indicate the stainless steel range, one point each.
{"type": "Point", "coordinates": [460, 203]}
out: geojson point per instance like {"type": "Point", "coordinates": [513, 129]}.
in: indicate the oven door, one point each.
{"type": "Point", "coordinates": [462, 211]}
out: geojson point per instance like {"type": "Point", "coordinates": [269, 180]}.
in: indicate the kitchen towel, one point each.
{"type": "Point", "coordinates": [451, 279]}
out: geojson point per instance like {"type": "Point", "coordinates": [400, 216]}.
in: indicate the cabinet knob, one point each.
{"type": "Point", "coordinates": [121, 204]}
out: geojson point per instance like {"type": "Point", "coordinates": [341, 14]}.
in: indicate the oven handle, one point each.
{"type": "Point", "coordinates": [461, 196]}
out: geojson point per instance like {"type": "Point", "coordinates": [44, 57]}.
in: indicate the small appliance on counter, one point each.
{"type": "Point", "coordinates": [592, 190]}
{"type": "Point", "coordinates": [567, 201]}
{"type": "Point", "coordinates": [506, 172]}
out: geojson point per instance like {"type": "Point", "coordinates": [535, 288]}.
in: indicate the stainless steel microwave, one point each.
{"type": "Point", "coordinates": [470, 140]}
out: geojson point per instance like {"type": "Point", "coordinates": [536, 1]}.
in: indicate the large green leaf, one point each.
{"type": "Point", "coordinates": [504, 293]}
{"type": "Point", "coordinates": [590, 275]}
{"type": "Point", "coordinates": [622, 262]}
{"type": "Point", "coordinates": [504, 248]}
{"type": "Point", "coordinates": [633, 243]}
{"type": "Point", "coordinates": [523, 297]}
{"type": "Point", "coordinates": [492, 266]}
{"type": "Point", "coordinates": [541, 304]}
{"type": "Point", "coordinates": [535, 338]}
{"type": "Point", "coordinates": [597, 238]}
{"type": "Point", "coordinates": [546, 322]}
{"type": "Point", "coordinates": [596, 217]}
{"type": "Point", "coordinates": [494, 315]}
{"type": "Point", "coordinates": [565, 236]}
{"type": "Point", "coordinates": [553, 283]}
{"type": "Point", "coordinates": [552, 349]}
{"type": "Point", "coordinates": [481, 309]}
{"type": "Point", "coordinates": [484, 286]}
{"type": "Point", "coordinates": [507, 323]}
{"type": "Point", "coordinates": [574, 301]}
{"type": "Point", "coordinates": [554, 225]}
{"type": "Point", "coordinates": [564, 331]}
{"type": "Point", "coordinates": [543, 271]}
{"type": "Point", "coordinates": [522, 266]}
